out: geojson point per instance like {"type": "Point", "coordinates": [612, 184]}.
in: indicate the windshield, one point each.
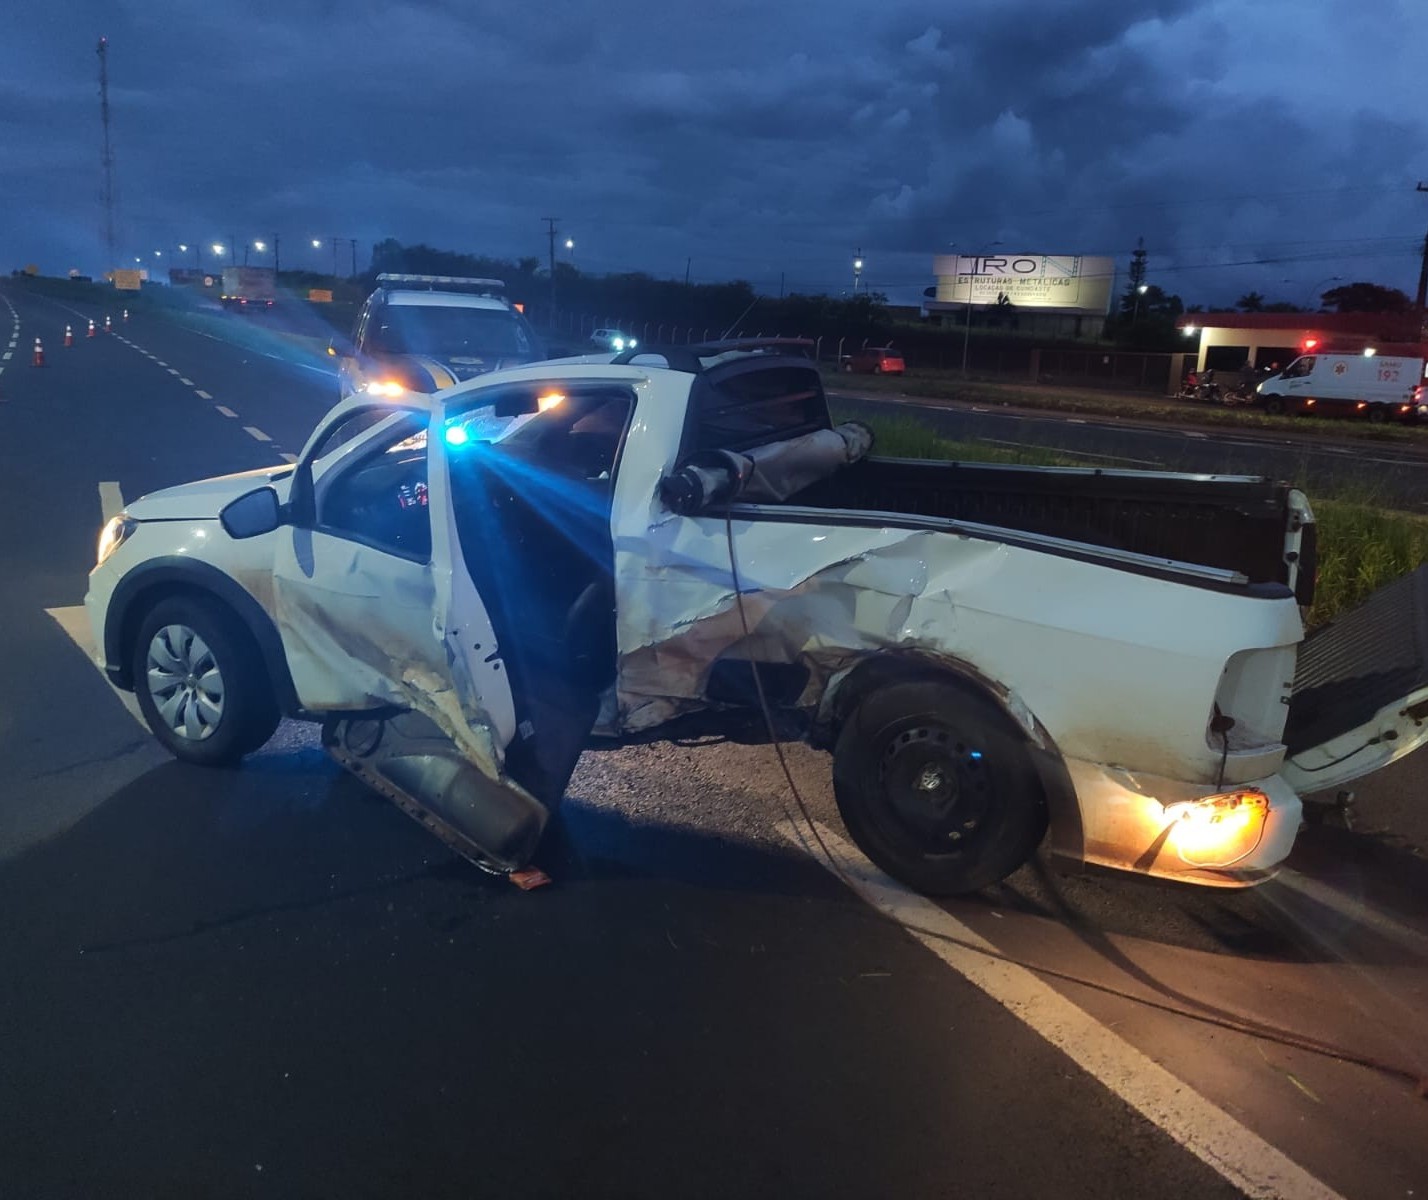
{"type": "Point", "coordinates": [451, 334]}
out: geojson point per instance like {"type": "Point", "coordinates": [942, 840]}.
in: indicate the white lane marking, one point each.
{"type": "Point", "coordinates": [1207, 1131]}
{"type": "Point", "coordinates": [1355, 910]}
{"type": "Point", "coordinates": [288, 458]}
{"type": "Point", "coordinates": [202, 395]}
{"type": "Point", "coordinates": [111, 500]}
{"type": "Point", "coordinates": [325, 371]}
{"type": "Point", "coordinates": [227, 412]}
{"type": "Point", "coordinates": [1075, 420]}
{"type": "Point", "coordinates": [75, 623]}
{"type": "Point", "coordinates": [186, 382]}
{"type": "Point", "coordinates": [172, 370]}
{"type": "Point", "coordinates": [256, 433]}
{"type": "Point", "coordinates": [1144, 462]}
{"type": "Point", "coordinates": [6, 354]}
{"type": "Point", "coordinates": [1193, 434]}
{"type": "Point", "coordinates": [161, 363]}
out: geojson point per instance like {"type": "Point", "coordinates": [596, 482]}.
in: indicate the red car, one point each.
{"type": "Point", "coordinates": [875, 360]}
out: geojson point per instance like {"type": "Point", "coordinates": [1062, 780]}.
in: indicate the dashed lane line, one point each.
{"type": "Point", "coordinates": [256, 434]}
{"type": "Point", "coordinates": [202, 395]}
{"type": "Point", "coordinates": [224, 409]}
{"type": "Point", "coordinates": [1236, 1152]}
{"type": "Point", "coordinates": [186, 382]}
{"type": "Point", "coordinates": [172, 370]}
{"type": "Point", "coordinates": [111, 500]}
{"type": "Point", "coordinates": [6, 354]}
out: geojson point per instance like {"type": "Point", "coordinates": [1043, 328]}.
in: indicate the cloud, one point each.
{"type": "Point", "coordinates": [757, 141]}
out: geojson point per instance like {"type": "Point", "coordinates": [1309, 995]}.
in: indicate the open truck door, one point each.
{"type": "Point", "coordinates": [1360, 698]}
{"type": "Point", "coordinates": [386, 633]}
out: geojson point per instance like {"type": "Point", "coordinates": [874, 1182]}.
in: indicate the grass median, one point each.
{"type": "Point", "coordinates": [1362, 546]}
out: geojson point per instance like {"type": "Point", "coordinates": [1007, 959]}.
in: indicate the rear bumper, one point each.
{"type": "Point", "coordinates": [1150, 825]}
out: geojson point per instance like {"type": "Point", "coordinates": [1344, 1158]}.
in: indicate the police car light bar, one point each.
{"type": "Point", "coordinates": [443, 280]}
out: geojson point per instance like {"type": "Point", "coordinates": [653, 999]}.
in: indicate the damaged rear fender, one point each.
{"type": "Point", "coordinates": [847, 689]}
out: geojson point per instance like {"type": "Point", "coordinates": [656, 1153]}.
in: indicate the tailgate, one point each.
{"type": "Point", "coordinates": [1360, 697]}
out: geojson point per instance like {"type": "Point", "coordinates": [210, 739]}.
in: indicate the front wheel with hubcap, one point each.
{"type": "Point", "coordinates": [936, 786]}
{"type": "Point", "coordinates": [200, 683]}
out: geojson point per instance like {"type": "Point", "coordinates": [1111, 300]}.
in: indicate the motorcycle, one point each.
{"type": "Point", "coordinates": [1201, 389]}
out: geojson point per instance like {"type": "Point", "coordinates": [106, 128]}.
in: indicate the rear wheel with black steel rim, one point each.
{"type": "Point", "coordinates": [936, 786]}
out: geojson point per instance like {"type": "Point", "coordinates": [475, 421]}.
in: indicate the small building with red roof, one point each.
{"type": "Point", "coordinates": [1227, 340]}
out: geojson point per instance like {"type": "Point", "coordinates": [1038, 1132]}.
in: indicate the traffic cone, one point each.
{"type": "Point", "coordinates": [107, 327]}
{"type": "Point", "coordinates": [68, 336]}
{"type": "Point", "coordinates": [39, 359]}
{"type": "Point", "coordinates": [126, 316]}
{"type": "Point", "coordinates": [91, 328]}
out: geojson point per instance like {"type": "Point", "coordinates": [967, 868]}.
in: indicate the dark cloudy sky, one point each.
{"type": "Point", "coordinates": [753, 139]}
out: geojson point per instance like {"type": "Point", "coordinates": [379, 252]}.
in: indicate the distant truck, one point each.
{"type": "Point", "coordinates": [1378, 387]}
{"type": "Point", "coordinates": [249, 288]}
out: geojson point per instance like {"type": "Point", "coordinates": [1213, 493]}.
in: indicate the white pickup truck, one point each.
{"type": "Point", "coordinates": [463, 586]}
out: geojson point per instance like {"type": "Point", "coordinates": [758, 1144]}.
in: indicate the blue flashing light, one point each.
{"type": "Point", "coordinates": [975, 756]}
{"type": "Point", "coordinates": [456, 435]}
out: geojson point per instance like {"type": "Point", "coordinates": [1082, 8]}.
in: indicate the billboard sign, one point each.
{"type": "Point", "coordinates": [128, 281]}
{"type": "Point", "coordinates": [1067, 283]}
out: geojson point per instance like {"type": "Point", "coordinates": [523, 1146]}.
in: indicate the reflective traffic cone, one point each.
{"type": "Point", "coordinates": [39, 359]}
{"type": "Point", "coordinates": [68, 336]}
{"type": "Point", "coordinates": [126, 315]}
{"type": "Point", "coordinates": [91, 328]}
{"type": "Point", "coordinates": [107, 327]}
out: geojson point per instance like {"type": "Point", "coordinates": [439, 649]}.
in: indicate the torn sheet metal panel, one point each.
{"type": "Point", "coordinates": [1081, 663]}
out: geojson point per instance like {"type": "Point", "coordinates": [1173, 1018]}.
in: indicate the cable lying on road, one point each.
{"type": "Point", "coordinates": [1244, 1025]}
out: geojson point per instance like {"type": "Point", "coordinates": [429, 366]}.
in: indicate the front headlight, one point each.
{"type": "Point", "coordinates": [114, 534]}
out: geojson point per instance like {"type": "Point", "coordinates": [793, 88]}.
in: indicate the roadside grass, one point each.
{"type": "Point", "coordinates": [1362, 545]}
{"type": "Point", "coordinates": [1083, 401]}
{"type": "Point", "coordinates": [1361, 548]}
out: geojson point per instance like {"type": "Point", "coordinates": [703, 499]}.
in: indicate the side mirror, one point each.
{"type": "Point", "coordinates": [340, 347]}
{"type": "Point", "coordinates": [252, 514]}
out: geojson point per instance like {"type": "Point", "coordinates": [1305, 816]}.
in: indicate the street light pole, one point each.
{"type": "Point", "coordinates": [857, 268]}
{"type": "Point", "coordinates": [1139, 292]}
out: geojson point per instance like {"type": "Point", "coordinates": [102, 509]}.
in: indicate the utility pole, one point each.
{"type": "Point", "coordinates": [550, 231]}
{"type": "Point", "coordinates": [687, 262]}
{"type": "Point", "coordinates": [1423, 270]}
{"type": "Point", "coordinates": [354, 258]}
{"type": "Point", "coordinates": [335, 242]}
{"type": "Point", "coordinates": [275, 256]}
{"type": "Point", "coordinates": [108, 157]}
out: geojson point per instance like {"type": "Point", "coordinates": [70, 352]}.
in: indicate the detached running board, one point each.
{"type": "Point", "coordinates": [407, 759]}
{"type": "Point", "coordinates": [1360, 697]}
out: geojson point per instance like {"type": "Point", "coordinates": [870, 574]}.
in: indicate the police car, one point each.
{"type": "Point", "coordinates": [423, 333]}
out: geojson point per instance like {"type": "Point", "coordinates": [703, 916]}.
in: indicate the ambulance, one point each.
{"type": "Point", "coordinates": [1379, 387]}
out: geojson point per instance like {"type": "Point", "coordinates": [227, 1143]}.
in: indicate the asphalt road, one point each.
{"type": "Point", "coordinates": [267, 981]}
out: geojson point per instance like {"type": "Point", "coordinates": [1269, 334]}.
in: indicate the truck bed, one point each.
{"type": "Point", "coordinates": [1235, 523]}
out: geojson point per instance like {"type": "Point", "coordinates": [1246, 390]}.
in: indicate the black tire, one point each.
{"type": "Point", "coordinates": [1274, 405]}
{"type": "Point", "coordinates": [936, 786]}
{"type": "Point", "coordinates": [847, 368]}
{"type": "Point", "coordinates": [1377, 414]}
{"type": "Point", "coordinates": [246, 713]}
{"type": "Point", "coordinates": [877, 369]}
